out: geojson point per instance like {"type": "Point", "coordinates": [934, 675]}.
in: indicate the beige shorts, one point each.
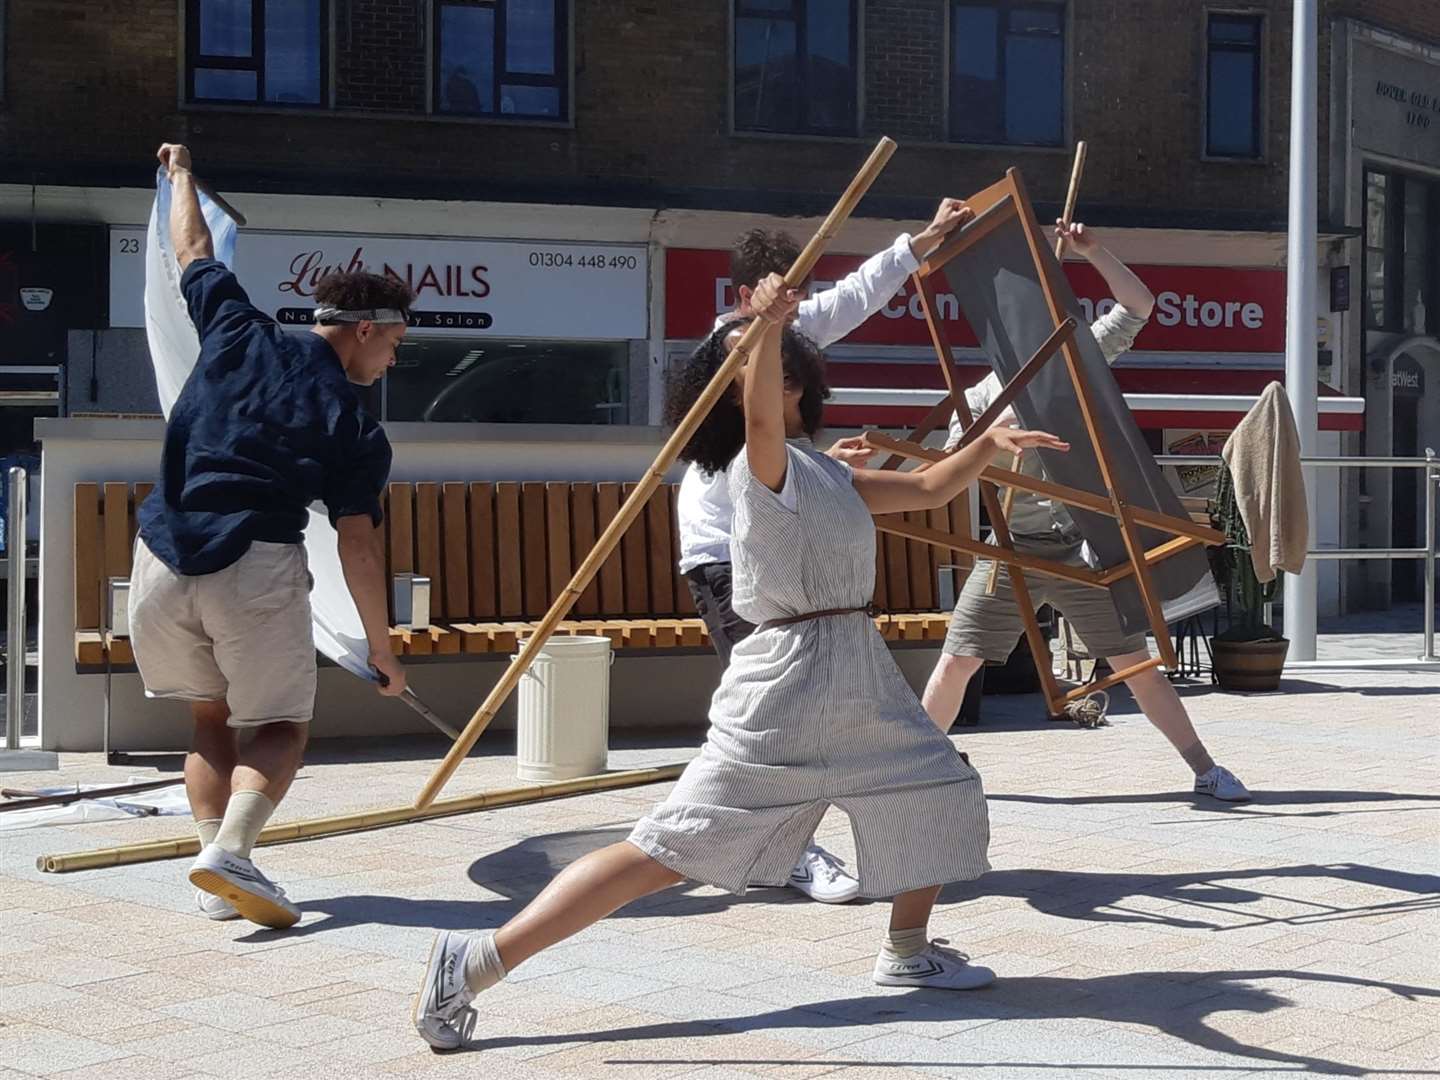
{"type": "Point", "coordinates": [241, 635]}
{"type": "Point", "coordinates": [989, 626]}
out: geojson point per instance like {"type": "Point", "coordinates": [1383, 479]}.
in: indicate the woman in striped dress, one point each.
{"type": "Point", "coordinates": [811, 712]}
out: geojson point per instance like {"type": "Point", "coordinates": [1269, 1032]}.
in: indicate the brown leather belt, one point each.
{"type": "Point", "coordinates": [872, 609]}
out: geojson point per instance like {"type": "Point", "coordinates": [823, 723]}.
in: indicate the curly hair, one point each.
{"type": "Point", "coordinates": [359, 291]}
{"type": "Point", "coordinates": [760, 252]}
{"type": "Point", "coordinates": [717, 440]}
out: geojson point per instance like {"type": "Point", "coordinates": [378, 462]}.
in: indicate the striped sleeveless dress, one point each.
{"type": "Point", "coordinates": [815, 713]}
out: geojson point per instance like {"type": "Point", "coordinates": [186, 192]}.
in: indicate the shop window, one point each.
{"type": "Point", "coordinates": [490, 381]}
{"type": "Point", "coordinates": [501, 58]}
{"type": "Point", "coordinates": [795, 66]}
{"type": "Point", "coordinates": [1233, 86]}
{"type": "Point", "coordinates": [1402, 279]}
{"type": "Point", "coordinates": [269, 52]}
{"type": "Point", "coordinates": [1007, 73]}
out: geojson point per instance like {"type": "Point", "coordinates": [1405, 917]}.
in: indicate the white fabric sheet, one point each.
{"type": "Point", "coordinates": [174, 348]}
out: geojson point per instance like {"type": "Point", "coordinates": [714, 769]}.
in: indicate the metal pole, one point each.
{"type": "Point", "coordinates": [15, 640]}
{"type": "Point", "coordinates": [1432, 482]}
{"type": "Point", "coordinates": [1301, 377]}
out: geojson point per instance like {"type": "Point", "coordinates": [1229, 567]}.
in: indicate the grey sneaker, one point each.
{"type": "Point", "coordinates": [238, 880]}
{"type": "Point", "coordinates": [1220, 783]}
{"type": "Point", "coordinates": [937, 968]}
{"type": "Point", "coordinates": [444, 998]}
{"type": "Point", "coordinates": [215, 907]}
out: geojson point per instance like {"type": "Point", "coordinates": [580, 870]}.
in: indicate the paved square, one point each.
{"type": "Point", "coordinates": [1137, 931]}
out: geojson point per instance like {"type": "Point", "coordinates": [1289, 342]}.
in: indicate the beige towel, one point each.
{"type": "Point", "coordinates": [1263, 453]}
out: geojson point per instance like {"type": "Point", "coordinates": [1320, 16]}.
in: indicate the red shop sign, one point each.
{"type": "Point", "coordinates": [1198, 308]}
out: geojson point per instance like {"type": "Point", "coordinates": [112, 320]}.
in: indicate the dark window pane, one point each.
{"type": "Point", "coordinates": [1376, 216]}
{"type": "Point", "coordinates": [976, 107]}
{"type": "Point", "coordinates": [1034, 91]}
{"type": "Point", "coordinates": [212, 84]}
{"type": "Point", "coordinates": [973, 30]}
{"type": "Point", "coordinates": [1420, 257]}
{"type": "Point", "coordinates": [766, 91]}
{"type": "Point", "coordinates": [530, 36]}
{"type": "Point", "coordinates": [1232, 107]}
{"type": "Point", "coordinates": [1376, 189]}
{"type": "Point", "coordinates": [467, 59]}
{"type": "Point", "coordinates": [830, 73]}
{"type": "Point", "coordinates": [292, 51]}
{"type": "Point", "coordinates": [529, 101]}
{"type": "Point", "coordinates": [1241, 30]}
{"type": "Point", "coordinates": [1035, 21]}
{"type": "Point", "coordinates": [225, 28]}
{"type": "Point", "coordinates": [785, 7]}
{"type": "Point", "coordinates": [487, 380]}
{"type": "Point", "coordinates": [1375, 291]}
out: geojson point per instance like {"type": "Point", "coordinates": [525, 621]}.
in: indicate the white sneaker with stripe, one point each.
{"type": "Point", "coordinates": [444, 998]}
{"type": "Point", "coordinates": [1220, 783]}
{"type": "Point", "coordinates": [937, 968]}
{"type": "Point", "coordinates": [819, 875]}
{"type": "Point", "coordinates": [237, 880]}
{"type": "Point", "coordinates": [215, 907]}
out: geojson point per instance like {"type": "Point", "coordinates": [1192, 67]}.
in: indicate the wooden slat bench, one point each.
{"type": "Point", "coordinates": [496, 553]}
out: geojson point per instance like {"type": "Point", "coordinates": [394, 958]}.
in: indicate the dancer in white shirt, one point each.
{"type": "Point", "coordinates": [704, 510]}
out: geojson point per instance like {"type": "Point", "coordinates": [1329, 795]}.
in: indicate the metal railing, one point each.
{"type": "Point", "coordinates": [1430, 463]}
{"type": "Point", "coordinates": [15, 629]}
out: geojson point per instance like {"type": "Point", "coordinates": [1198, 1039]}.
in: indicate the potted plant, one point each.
{"type": "Point", "coordinates": [1250, 654]}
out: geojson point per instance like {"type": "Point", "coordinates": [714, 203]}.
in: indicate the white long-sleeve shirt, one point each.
{"type": "Point", "coordinates": [1031, 515]}
{"type": "Point", "coordinates": [703, 510]}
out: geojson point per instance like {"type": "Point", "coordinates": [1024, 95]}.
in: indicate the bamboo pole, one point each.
{"type": "Point", "coordinates": [632, 506]}
{"type": "Point", "coordinates": [1070, 196]}
{"type": "Point", "coordinates": [179, 846]}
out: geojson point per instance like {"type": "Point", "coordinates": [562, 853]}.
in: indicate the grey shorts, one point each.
{"type": "Point", "coordinates": [989, 626]}
{"type": "Point", "coordinates": [240, 635]}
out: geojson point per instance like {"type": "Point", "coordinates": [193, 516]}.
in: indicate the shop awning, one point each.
{"type": "Point", "coordinates": [895, 395]}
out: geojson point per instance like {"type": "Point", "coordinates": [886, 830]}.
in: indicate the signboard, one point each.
{"type": "Point", "coordinates": [1395, 103]}
{"type": "Point", "coordinates": [1407, 377]}
{"type": "Point", "coordinates": [500, 288]}
{"type": "Point", "coordinates": [1197, 308]}
{"type": "Point", "coordinates": [1194, 481]}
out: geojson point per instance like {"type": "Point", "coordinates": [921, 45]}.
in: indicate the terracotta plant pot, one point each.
{"type": "Point", "coordinates": [1249, 665]}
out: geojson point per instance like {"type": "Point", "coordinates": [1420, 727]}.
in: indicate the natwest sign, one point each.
{"type": "Point", "coordinates": [1197, 308]}
{"type": "Point", "coordinates": [505, 288]}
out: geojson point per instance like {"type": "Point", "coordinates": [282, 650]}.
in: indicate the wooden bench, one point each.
{"type": "Point", "coordinates": [497, 553]}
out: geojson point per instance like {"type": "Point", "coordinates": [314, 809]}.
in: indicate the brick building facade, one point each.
{"type": "Point", "coordinates": [644, 126]}
{"type": "Point", "coordinates": [90, 88]}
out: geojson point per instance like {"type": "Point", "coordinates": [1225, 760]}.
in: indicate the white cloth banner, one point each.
{"type": "Point", "coordinates": [174, 348]}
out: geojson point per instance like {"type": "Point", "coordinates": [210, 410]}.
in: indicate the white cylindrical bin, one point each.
{"type": "Point", "coordinates": [563, 727]}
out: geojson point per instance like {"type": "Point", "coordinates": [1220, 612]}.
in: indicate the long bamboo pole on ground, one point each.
{"type": "Point", "coordinates": [632, 506]}
{"type": "Point", "coordinates": [1067, 216]}
{"type": "Point", "coordinates": [180, 846]}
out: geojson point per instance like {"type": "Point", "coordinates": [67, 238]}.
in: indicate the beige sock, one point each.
{"type": "Point", "coordinates": [245, 815]}
{"type": "Point", "coordinates": [903, 944]}
{"type": "Point", "coordinates": [483, 968]}
{"type": "Point", "coordinates": [207, 828]}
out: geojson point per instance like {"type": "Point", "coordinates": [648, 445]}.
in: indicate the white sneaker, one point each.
{"type": "Point", "coordinates": [937, 968]}
{"type": "Point", "coordinates": [443, 996]}
{"type": "Point", "coordinates": [238, 880]}
{"type": "Point", "coordinates": [818, 876]}
{"type": "Point", "coordinates": [215, 907]}
{"type": "Point", "coordinates": [1221, 783]}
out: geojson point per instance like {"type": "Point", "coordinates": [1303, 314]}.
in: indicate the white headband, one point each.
{"type": "Point", "coordinates": [326, 314]}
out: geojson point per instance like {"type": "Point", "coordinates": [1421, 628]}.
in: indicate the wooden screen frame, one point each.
{"type": "Point", "coordinates": [996, 206]}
